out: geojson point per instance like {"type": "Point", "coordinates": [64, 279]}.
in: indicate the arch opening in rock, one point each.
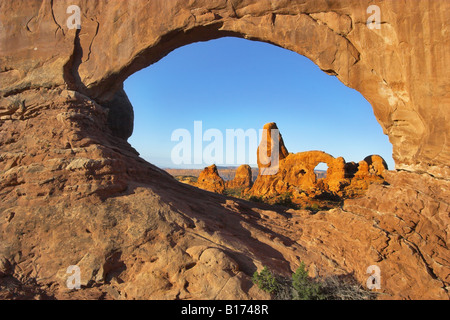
{"type": "Point", "coordinates": [311, 119]}
{"type": "Point", "coordinates": [339, 43]}
{"type": "Point", "coordinates": [258, 90]}
{"type": "Point", "coordinates": [321, 170]}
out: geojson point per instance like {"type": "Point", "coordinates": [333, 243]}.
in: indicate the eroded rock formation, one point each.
{"type": "Point", "coordinates": [243, 179]}
{"type": "Point", "coordinates": [406, 101]}
{"type": "Point", "coordinates": [265, 152]}
{"type": "Point", "coordinates": [210, 180]}
{"type": "Point", "coordinates": [73, 191]}
{"type": "Point", "coordinates": [295, 173]}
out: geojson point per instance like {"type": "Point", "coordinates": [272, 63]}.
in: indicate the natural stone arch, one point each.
{"type": "Point", "coordinates": [61, 167]}
{"type": "Point", "coordinates": [296, 174]}
{"type": "Point", "coordinates": [306, 162]}
{"type": "Point", "coordinates": [321, 171]}
{"type": "Point", "coordinates": [408, 94]}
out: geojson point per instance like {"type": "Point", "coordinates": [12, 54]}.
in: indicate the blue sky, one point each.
{"type": "Point", "coordinates": [233, 83]}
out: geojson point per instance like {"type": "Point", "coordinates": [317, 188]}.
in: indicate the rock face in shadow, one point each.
{"type": "Point", "coordinates": [74, 192]}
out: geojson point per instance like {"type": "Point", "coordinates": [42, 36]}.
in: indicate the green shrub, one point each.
{"type": "Point", "coordinates": [314, 207]}
{"type": "Point", "coordinates": [285, 200]}
{"type": "Point", "coordinates": [302, 287]}
{"type": "Point", "coordinates": [266, 281]}
{"type": "Point", "coordinates": [235, 193]}
{"type": "Point", "coordinates": [305, 288]}
{"type": "Point", "coordinates": [256, 199]}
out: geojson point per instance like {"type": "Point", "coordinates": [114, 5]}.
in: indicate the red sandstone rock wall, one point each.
{"type": "Point", "coordinates": [74, 192]}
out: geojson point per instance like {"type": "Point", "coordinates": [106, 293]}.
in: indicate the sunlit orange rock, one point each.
{"type": "Point", "coordinates": [210, 180]}
{"type": "Point", "coordinates": [243, 178]}
{"type": "Point", "coordinates": [296, 174]}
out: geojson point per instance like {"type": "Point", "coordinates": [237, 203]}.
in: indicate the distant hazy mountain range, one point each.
{"type": "Point", "coordinates": [227, 173]}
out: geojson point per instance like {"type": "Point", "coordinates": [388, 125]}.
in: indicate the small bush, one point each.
{"type": "Point", "coordinates": [302, 287]}
{"type": "Point", "coordinates": [338, 288]}
{"type": "Point", "coordinates": [314, 207]}
{"type": "Point", "coordinates": [266, 281]}
{"type": "Point", "coordinates": [305, 288]}
{"type": "Point", "coordinates": [235, 193]}
{"type": "Point", "coordinates": [256, 199]}
{"type": "Point", "coordinates": [285, 200]}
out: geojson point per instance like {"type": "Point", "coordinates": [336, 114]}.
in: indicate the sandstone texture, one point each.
{"type": "Point", "coordinates": [74, 192]}
{"type": "Point", "coordinates": [243, 179]}
{"type": "Point", "coordinates": [267, 154]}
{"type": "Point", "coordinates": [295, 174]}
{"type": "Point", "coordinates": [210, 180]}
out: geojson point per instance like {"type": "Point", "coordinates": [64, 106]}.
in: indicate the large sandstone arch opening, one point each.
{"type": "Point", "coordinates": [233, 84]}
{"type": "Point", "coordinates": [321, 170]}
{"type": "Point", "coordinates": [98, 58]}
{"type": "Point", "coordinates": [338, 42]}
